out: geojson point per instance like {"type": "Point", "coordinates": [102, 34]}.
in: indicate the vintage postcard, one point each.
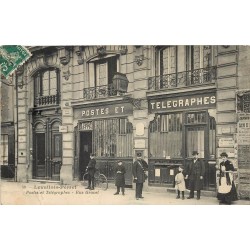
{"type": "Point", "coordinates": [125, 124]}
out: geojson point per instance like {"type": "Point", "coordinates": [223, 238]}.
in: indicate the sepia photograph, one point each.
{"type": "Point", "coordinates": [150, 124]}
{"type": "Point", "coordinates": [124, 125]}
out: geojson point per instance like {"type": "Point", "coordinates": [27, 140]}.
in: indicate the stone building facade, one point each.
{"type": "Point", "coordinates": [177, 99]}
{"type": "Point", "coordinates": [7, 153]}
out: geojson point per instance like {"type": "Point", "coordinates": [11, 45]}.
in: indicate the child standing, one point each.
{"type": "Point", "coordinates": [120, 178]}
{"type": "Point", "coordinates": [180, 183]}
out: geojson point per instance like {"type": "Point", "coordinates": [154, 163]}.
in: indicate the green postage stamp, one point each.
{"type": "Point", "coordinates": [12, 56]}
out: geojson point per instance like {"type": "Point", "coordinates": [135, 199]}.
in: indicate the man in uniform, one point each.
{"type": "Point", "coordinates": [139, 172]}
{"type": "Point", "coordinates": [91, 172]}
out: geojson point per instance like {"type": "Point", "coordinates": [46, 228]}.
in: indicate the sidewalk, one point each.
{"type": "Point", "coordinates": [13, 193]}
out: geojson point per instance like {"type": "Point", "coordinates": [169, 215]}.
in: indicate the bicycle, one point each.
{"type": "Point", "coordinates": [100, 180]}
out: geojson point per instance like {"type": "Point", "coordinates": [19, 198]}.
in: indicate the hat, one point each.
{"type": "Point", "coordinates": [181, 166]}
{"type": "Point", "coordinates": [224, 154]}
{"type": "Point", "coordinates": [138, 154]}
{"type": "Point", "coordinates": [119, 161]}
{"type": "Point", "coordinates": [195, 152]}
{"type": "Point", "coordinates": [92, 154]}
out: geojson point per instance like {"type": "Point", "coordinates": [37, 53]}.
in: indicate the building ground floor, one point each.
{"type": "Point", "coordinates": [54, 144]}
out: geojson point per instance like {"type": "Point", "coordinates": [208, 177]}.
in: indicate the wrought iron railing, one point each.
{"type": "Point", "coordinates": [99, 92]}
{"type": "Point", "coordinates": [46, 100]}
{"type": "Point", "coordinates": [185, 78]}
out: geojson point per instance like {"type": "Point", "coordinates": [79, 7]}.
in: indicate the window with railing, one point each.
{"type": "Point", "coordinates": [46, 87]}
{"type": "Point", "coordinates": [165, 136]}
{"type": "Point", "coordinates": [100, 75]}
{"type": "Point", "coordinates": [179, 66]}
{"type": "Point", "coordinates": [113, 138]}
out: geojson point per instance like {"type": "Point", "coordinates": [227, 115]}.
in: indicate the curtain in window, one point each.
{"type": "Point", "coordinates": [195, 141]}
{"type": "Point", "coordinates": [165, 137]}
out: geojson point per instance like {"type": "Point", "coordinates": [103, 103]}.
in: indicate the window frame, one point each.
{"type": "Point", "coordinates": [39, 90]}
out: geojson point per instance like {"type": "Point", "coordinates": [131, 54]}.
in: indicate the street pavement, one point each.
{"type": "Point", "coordinates": [12, 193]}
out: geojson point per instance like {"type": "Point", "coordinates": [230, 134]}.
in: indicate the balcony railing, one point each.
{"type": "Point", "coordinates": [180, 79]}
{"type": "Point", "coordinates": [99, 92]}
{"type": "Point", "coordinates": [46, 100]}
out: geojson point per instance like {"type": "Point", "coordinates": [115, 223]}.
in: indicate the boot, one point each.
{"type": "Point", "coordinates": [198, 194]}
{"type": "Point", "coordinates": [178, 195]}
{"type": "Point", "coordinates": [191, 194]}
{"type": "Point", "coordinates": [118, 191]}
{"type": "Point", "coordinates": [183, 197]}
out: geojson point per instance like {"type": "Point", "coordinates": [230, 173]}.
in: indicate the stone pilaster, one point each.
{"type": "Point", "coordinates": [140, 121]}
{"type": "Point", "coordinates": [227, 68]}
{"type": "Point", "coordinates": [66, 59]}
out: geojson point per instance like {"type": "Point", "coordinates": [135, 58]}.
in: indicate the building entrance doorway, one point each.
{"type": "Point", "coordinates": [85, 151]}
{"type": "Point", "coordinates": [200, 137]}
{"type": "Point", "coordinates": [47, 155]}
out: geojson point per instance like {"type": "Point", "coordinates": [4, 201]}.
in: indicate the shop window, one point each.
{"type": "Point", "coordinates": [46, 86]}
{"type": "Point", "coordinates": [196, 118]}
{"type": "Point", "coordinates": [112, 138]}
{"type": "Point", "coordinates": [4, 149]}
{"type": "Point", "coordinates": [165, 136]}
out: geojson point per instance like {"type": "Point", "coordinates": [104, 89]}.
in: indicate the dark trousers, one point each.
{"type": "Point", "coordinates": [91, 181]}
{"type": "Point", "coordinates": [122, 188]}
{"type": "Point", "coordinates": [138, 190]}
{"type": "Point", "coordinates": [180, 192]}
{"type": "Point", "coordinates": [192, 193]}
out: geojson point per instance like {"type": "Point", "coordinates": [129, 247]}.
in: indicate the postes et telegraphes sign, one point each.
{"type": "Point", "coordinates": [121, 109]}
{"type": "Point", "coordinates": [168, 103]}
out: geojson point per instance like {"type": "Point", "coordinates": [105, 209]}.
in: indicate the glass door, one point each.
{"type": "Point", "coordinates": [195, 140]}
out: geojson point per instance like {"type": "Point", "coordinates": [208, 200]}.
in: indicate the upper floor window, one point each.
{"type": "Point", "coordinates": [199, 57]}
{"type": "Point", "coordinates": [102, 71]}
{"type": "Point", "coordinates": [178, 66]}
{"type": "Point", "coordinates": [46, 86]}
{"type": "Point", "coordinates": [100, 75]}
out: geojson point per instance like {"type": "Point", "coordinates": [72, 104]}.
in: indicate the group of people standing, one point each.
{"type": "Point", "coordinates": [139, 169]}
{"type": "Point", "coordinates": [193, 175]}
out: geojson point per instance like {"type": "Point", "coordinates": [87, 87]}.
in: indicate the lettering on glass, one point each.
{"type": "Point", "coordinates": [86, 126]}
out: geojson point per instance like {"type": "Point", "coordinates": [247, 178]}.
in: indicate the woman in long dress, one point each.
{"type": "Point", "coordinates": [226, 189]}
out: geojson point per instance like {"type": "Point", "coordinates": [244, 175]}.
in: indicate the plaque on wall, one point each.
{"type": "Point", "coordinates": [226, 142]}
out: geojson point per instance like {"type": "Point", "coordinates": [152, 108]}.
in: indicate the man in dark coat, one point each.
{"type": "Point", "coordinates": [91, 172]}
{"type": "Point", "coordinates": [195, 175]}
{"type": "Point", "coordinates": [120, 178]}
{"type": "Point", "coordinates": [139, 172]}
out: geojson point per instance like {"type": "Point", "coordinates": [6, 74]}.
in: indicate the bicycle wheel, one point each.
{"type": "Point", "coordinates": [101, 182]}
{"type": "Point", "coordinates": [85, 180]}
